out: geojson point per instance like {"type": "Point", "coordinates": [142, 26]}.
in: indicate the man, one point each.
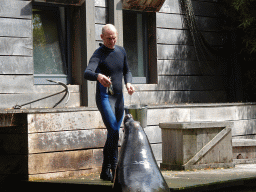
{"type": "Point", "coordinates": [108, 65]}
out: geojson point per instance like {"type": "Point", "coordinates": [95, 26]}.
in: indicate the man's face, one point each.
{"type": "Point", "coordinates": [109, 38]}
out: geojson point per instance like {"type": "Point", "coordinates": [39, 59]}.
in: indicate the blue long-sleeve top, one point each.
{"type": "Point", "coordinates": [112, 63]}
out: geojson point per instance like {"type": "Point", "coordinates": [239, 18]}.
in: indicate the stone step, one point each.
{"type": "Point", "coordinates": [244, 151]}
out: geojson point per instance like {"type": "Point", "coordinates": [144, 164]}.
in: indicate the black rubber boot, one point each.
{"type": "Point", "coordinates": [106, 174]}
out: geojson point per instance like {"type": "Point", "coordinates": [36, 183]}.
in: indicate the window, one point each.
{"type": "Point", "coordinates": [135, 44]}
{"type": "Point", "coordinates": [49, 44]}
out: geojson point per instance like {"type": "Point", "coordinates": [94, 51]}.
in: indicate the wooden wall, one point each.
{"type": "Point", "coordinates": [16, 51]}
{"type": "Point", "coordinates": [71, 145]}
{"type": "Point", "coordinates": [180, 77]}
{"type": "Point", "coordinates": [16, 61]}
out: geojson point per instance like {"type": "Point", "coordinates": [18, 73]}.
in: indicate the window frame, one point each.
{"type": "Point", "coordinates": [141, 80]}
{"type": "Point", "coordinates": [64, 40]}
{"type": "Point", "coordinates": [150, 44]}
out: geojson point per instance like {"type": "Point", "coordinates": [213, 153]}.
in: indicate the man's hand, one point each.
{"type": "Point", "coordinates": [130, 88]}
{"type": "Point", "coordinates": [104, 80]}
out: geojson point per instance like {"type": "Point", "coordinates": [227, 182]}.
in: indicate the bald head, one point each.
{"type": "Point", "coordinates": [109, 36]}
{"type": "Point", "coordinates": [108, 27]}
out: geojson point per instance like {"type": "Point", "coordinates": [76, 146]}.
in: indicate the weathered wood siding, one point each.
{"type": "Point", "coordinates": [16, 61]}
{"type": "Point", "coordinates": [16, 51]}
{"type": "Point", "coordinates": [180, 77]}
{"type": "Point", "coordinates": [69, 145]}
{"type": "Point", "coordinates": [52, 143]}
{"type": "Point", "coordinates": [101, 18]}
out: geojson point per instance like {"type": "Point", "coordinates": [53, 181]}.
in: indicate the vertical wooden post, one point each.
{"type": "Point", "coordinates": [87, 49]}
{"type": "Point", "coordinates": [116, 18]}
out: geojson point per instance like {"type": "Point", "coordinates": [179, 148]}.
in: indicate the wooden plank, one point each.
{"type": "Point", "coordinates": [157, 152]}
{"type": "Point", "coordinates": [60, 161]}
{"type": "Point", "coordinates": [171, 21]}
{"type": "Point", "coordinates": [171, 152]}
{"type": "Point", "coordinates": [116, 18]}
{"type": "Point", "coordinates": [209, 24]}
{"type": "Point", "coordinates": [197, 83]}
{"type": "Point", "coordinates": [214, 114]}
{"type": "Point", "coordinates": [16, 83]}
{"type": "Point", "coordinates": [154, 134]}
{"type": "Point", "coordinates": [244, 127]}
{"type": "Point", "coordinates": [74, 100]}
{"type": "Point", "coordinates": [16, 65]}
{"type": "Point", "coordinates": [63, 2]}
{"type": "Point", "coordinates": [174, 21]}
{"type": "Point", "coordinates": [189, 144]}
{"type": "Point", "coordinates": [55, 88]}
{"type": "Point", "coordinates": [98, 30]}
{"type": "Point", "coordinates": [188, 67]}
{"type": "Point", "coordinates": [251, 112]}
{"type": "Point", "coordinates": [174, 97]}
{"type": "Point", "coordinates": [182, 37]}
{"type": "Point", "coordinates": [16, 9]}
{"type": "Point", "coordinates": [201, 8]}
{"type": "Point", "coordinates": [183, 52]}
{"type": "Point", "coordinates": [66, 140]}
{"type": "Point", "coordinates": [15, 27]}
{"type": "Point", "coordinates": [185, 83]}
{"type": "Point", "coordinates": [89, 86]}
{"type": "Point", "coordinates": [16, 46]}
{"type": "Point", "coordinates": [155, 116]}
{"type": "Point", "coordinates": [173, 36]}
{"type": "Point", "coordinates": [215, 96]}
{"type": "Point", "coordinates": [64, 121]}
{"type": "Point", "coordinates": [10, 100]}
{"type": "Point", "coordinates": [208, 146]}
{"type": "Point", "coordinates": [101, 3]}
{"type": "Point", "coordinates": [66, 174]}
{"type": "Point", "coordinates": [207, 9]}
{"type": "Point", "coordinates": [171, 6]}
{"type": "Point", "coordinates": [101, 15]}
{"type": "Point", "coordinates": [179, 67]}
{"type": "Point", "coordinates": [157, 97]}
{"type": "Point", "coordinates": [96, 167]}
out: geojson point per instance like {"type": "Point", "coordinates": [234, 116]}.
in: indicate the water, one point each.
{"type": "Point", "coordinates": [138, 94]}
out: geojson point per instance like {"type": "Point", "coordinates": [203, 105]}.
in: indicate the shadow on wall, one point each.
{"type": "Point", "coordinates": [182, 78]}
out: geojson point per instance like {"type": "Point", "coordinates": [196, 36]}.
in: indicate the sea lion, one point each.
{"type": "Point", "coordinates": [137, 170]}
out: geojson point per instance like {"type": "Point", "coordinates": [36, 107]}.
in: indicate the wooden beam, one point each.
{"type": "Point", "coordinates": [63, 2]}
{"type": "Point", "coordinates": [116, 18]}
{"type": "Point", "coordinates": [16, 9]}
{"type": "Point", "coordinates": [142, 5]}
{"type": "Point", "coordinates": [90, 48]}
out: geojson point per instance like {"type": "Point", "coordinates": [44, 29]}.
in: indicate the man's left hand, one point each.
{"type": "Point", "coordinates": [130, 88]}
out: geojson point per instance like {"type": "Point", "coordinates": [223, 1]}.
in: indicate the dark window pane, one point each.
{"type": "Point", "coordinates": [134, 42]}
{"type": "Point", "coordinates": [46, 42]}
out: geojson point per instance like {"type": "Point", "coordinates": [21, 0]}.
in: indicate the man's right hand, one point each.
{"type": "Point", "coordinates": [104, 80]}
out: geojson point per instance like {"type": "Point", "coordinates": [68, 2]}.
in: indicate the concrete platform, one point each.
{"type": "Point", "coordinates": [240, 178]}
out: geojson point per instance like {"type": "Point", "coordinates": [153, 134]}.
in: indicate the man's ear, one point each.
{"type": "Point", "coordinates": [101, 36]}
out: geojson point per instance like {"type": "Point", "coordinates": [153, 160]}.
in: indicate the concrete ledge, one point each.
{"type": "Point", "coordinates": [244, 161]}
{"type": "Point", "coordinates": [166, 166]}
{"type": "Point", "coordinates": [243, 142]}
{"type": "Point", "coordinates": [195, 125]}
